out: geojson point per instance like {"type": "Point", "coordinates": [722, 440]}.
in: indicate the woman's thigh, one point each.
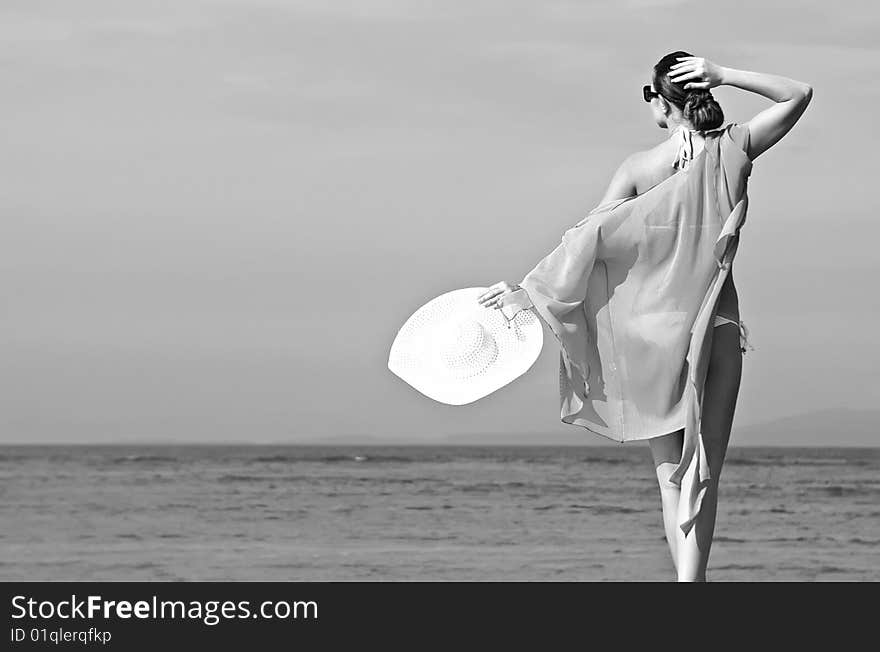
{"type": "Point", "coordinates": [719, 402]}
{"type": "Point", "coordinates": [666, 449]}
{"type": "Point", "coordinates": [720, 393]}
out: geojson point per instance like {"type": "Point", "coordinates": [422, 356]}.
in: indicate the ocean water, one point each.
{"type": "Point", "coordinates": [421, 513]}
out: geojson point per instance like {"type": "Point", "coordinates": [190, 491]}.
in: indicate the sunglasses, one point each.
{"type": "Point", "coordinates": [648, 94]}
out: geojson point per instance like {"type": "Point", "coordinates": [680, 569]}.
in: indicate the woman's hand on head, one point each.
{"type": "Point", "coordinates": [492, 297]}
{"type": "Point", "coordinates": [696, 72]}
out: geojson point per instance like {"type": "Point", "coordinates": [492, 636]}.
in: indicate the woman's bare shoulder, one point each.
{"type": "Point", "coordinates": [651, 166]}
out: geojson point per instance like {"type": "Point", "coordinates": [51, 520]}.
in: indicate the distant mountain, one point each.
{"type": "Point", "coordinates": [829, 427]}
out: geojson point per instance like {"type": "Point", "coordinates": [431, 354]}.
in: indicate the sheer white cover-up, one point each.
{"type": "Point", "coordinates": [631, 294]}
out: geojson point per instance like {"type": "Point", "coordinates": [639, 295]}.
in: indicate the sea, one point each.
{"type": "Point", "coordinates": [435, 513]}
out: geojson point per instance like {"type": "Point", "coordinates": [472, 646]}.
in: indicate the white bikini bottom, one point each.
{"type": "Point", "coordinates": [743, 331]}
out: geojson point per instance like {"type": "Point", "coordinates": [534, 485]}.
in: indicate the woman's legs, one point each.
{"type": "Point", "coordinates": [719, 402]}
{"type": "Point", "coordinates": [666, 451]}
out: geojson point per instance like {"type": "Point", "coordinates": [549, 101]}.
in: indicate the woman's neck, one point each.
{"type": "Point", "coordinates": [674, 125]}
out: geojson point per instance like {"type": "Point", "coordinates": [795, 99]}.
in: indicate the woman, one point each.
{"type": "Point", "coordinates": [631, 291]}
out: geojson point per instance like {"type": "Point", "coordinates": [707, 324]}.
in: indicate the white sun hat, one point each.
{"type": "Point", "coordinates": [456, 351]}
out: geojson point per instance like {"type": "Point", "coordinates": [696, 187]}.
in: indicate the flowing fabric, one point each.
{"type": "Point", "coordinates": [631, 294]}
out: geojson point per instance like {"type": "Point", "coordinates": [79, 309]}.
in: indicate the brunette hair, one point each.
{"type": "Point", "coordinates": [697, 104]}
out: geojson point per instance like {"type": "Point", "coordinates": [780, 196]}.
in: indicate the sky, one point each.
{"type": "Point", "coordinates": [216, 214]}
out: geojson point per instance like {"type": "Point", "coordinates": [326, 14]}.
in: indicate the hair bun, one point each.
{"type": "Point", "coordinates": [701, 108]}
{"type": "Point", "coordinates": [698, 97]}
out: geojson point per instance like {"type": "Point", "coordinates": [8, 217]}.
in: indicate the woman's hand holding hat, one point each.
{"type": "Point", "coordinates": [492, 297]}
{"type": "Point", "coordinates": [509, 297]}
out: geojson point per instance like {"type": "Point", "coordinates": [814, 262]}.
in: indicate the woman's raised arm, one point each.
{"type": "Point", "coordinates": [767, 127]}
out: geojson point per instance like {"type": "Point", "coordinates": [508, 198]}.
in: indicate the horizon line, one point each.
{"type": "Point", "coordinates": [401, 444]}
